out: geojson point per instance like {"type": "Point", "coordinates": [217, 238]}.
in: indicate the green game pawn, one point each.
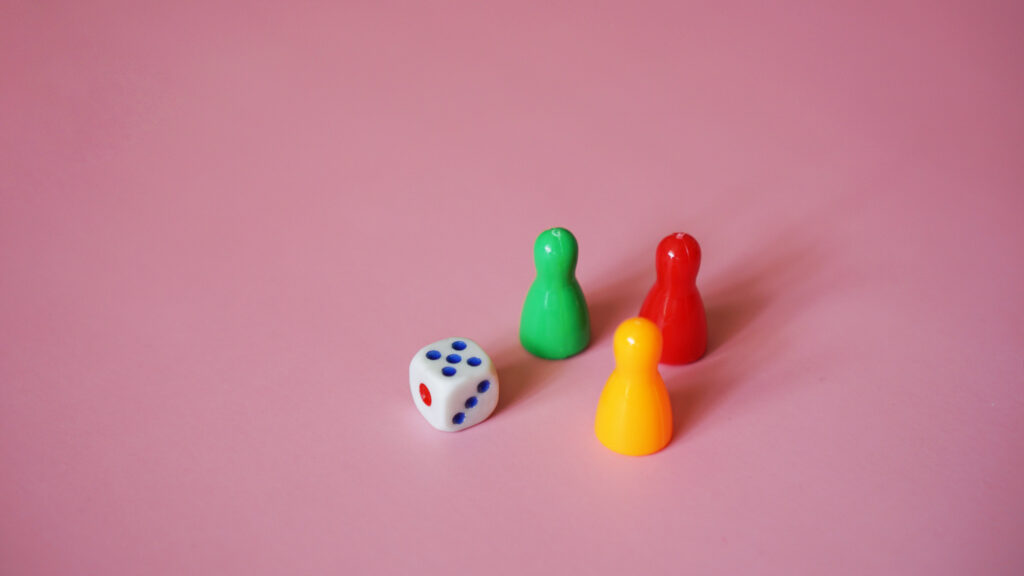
{"type": "Point", "coordinates": [555, 323]}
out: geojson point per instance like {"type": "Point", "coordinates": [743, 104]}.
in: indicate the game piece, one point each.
{"type": "Point", "coordinates": [674, 303]}
{"type": "Point", "coordinates": [454, 384]}
{"type": "Point", "coordinates": [555, 322]}
{"type": "Point", "coordinates": [634, 414]}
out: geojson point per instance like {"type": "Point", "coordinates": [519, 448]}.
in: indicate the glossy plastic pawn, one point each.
{"type": "Point", "coordinates": [674, 303]}
{"type": "Point", "coordinates": [555, 322]}
{"type": "Point", "coordinates": [634, 414]}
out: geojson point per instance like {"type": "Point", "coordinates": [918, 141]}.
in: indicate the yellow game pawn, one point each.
{"type": "Point", "coordinates": [634, 414]}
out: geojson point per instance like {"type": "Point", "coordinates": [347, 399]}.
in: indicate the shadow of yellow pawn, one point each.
{"type": "Point", "coordinates": [634, 414]}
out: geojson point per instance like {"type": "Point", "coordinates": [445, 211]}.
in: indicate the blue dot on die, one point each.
{"type": "Point", "coordinates": [459, 418]}
{"type": "Point", "coordinates": [433, 355]}
{"type": "Point", "coordinates": [471, 402]}
{"type": "Point", "coordinates": [459, 345]}
{"type": "Point", "coordinates": [473, 361]}
{"type": "Point", "coordinates": [448, 371]}
{"type": "Point", "coordinates": [454, 358]}
{"type": "Point", "coordinates": [483, 386]}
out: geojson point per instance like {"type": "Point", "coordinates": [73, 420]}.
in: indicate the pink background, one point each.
{"type": "Point", "coordinates": [224, 231]}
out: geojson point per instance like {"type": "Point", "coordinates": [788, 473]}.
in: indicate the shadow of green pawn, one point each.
{"type": "Point", "coordinates": [555, 322]}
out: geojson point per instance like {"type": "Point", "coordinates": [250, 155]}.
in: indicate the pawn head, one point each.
{"type": "Point", "coordinates": [637, 344]}
{"type": "Point", "coordinates": [678, 258]}
{"type": "Point", "coordinates": [555, 252]}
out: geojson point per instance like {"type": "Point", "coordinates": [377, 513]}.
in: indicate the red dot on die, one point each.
{"type": "Point", "coordinates": [425, 394]}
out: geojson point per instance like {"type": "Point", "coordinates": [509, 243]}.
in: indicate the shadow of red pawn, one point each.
{"type": "Point", "coordinates": [674, 303]}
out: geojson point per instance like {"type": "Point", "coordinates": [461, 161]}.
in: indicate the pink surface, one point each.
{"type": "Point", "coordinates": [225, 231]}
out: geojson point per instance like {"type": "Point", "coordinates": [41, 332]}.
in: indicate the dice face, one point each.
{"type": "Point", "coordinates": [453, 384]}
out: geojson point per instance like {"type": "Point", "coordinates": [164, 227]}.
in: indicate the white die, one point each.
{"type": "Point", "coordinates": [453, 384]}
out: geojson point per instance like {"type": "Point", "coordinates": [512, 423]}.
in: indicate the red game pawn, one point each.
{"type": "Point", "coordinates": [674, 303]}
